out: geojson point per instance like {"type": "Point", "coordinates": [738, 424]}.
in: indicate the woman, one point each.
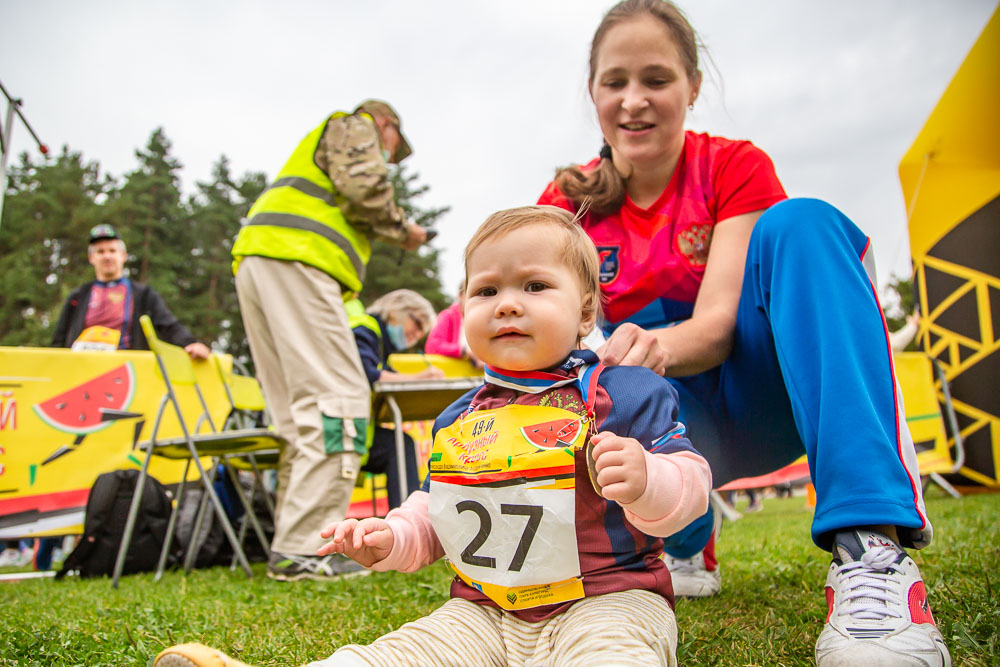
{"type": "Point", "coordinates": [761, 312]}
{"type": "Point", "coordinates": [395, 322]}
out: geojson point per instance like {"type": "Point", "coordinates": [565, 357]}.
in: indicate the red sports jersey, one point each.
{"type": "Point", "coordinates": [653, 260]}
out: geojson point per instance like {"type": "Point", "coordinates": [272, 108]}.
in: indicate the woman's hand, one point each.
{"type": "Point", "coordinates": [705, 340]}
{"type": "Point", "coordinates": [621, 467]}
{"type": "Point", "coordinates": [630, 345]}
{"type": "Point", "coordinates": [429, 373]}
{"type": "Point", "coordinates": [367, 541]}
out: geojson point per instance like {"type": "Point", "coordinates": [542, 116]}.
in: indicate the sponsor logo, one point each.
{"type": "Point", "coordinates": [609, 263]}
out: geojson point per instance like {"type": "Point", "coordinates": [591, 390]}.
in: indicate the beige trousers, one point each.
{"type": "Point", "coordinates": [308, 366]}
{"type": "Point", "coordinates": [627, 628]}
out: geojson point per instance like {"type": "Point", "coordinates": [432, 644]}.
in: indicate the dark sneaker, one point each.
{"type": "Point", "coordinates": [878, 611]}
{"type": "Point", "coordinates": [289, 567]}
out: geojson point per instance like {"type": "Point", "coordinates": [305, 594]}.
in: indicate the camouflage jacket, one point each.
{"type": "Point", "coordinates": [350, 152]}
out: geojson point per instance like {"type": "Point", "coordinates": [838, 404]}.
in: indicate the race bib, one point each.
{"type": "Point", "coordinates": [97, 338]}
{"type": "Point", "coordinates": [503, 503]}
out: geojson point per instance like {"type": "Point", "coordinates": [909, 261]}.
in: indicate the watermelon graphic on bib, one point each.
{"type": "Point", "coordinates": [554, 434]}
{"type": "Point", "coordinates": [79, 410]}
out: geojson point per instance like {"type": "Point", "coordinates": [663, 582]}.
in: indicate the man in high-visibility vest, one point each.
{"type": "Point", "coordinates": [300, 255]}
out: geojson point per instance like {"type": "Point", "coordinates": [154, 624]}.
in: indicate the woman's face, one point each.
{"type": "Point", "coordinates": [412, 328]}
{"type": "Point", "coordinates": [641, 91]}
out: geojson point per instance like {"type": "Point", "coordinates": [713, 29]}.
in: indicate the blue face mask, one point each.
{"type": "Point", "coordinates": [396, 336]}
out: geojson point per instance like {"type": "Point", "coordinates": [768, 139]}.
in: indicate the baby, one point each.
{"type": "Point", "coordinates": [551, 531]}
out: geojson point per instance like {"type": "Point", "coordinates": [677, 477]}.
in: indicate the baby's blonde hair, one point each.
{"type": "Point", "coordinates": [575, 247]}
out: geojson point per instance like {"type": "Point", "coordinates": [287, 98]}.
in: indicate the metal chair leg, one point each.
{"type": "Point", "coordinates": [221, 513]}
{"type": "Point", "coordinates": [944, 484]}
{"type": "Point", "coordinates": [259, 479]}
{"type": "Point", "coordinates": [248, 508]}
{"type": "Point", "coordinates": [171, 525]}
{"type": "Point", "coordinates": [133, 513]}
{"type": "Point", "coordinates": [195, 542]}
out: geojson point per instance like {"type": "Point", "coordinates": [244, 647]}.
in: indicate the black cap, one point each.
{"type": "Point", "coordinates": [102, 232]}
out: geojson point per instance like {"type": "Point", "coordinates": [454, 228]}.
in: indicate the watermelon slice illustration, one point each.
{"type": "Point", "coordinates": [555, 434]}
{"type": "Point", "coordinates": [79, 410]}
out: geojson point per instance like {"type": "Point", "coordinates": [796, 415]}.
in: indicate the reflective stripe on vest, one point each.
{"type": "Point", "coordinates": [298, 222]}
{"type": "Point", "coordinates": [306, 186]}
{"type": "Point", "coordinates": [357, 317]}
{"type": "Point", "coordinates": [297, 219]}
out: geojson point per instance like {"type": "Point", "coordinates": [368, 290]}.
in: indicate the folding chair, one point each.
{"type": "Point", "coordinates": [175, 369]}
{"type": "Point", "coordinates": [247, 401]}
{"type": "Point", "coordinates": [916, 373]}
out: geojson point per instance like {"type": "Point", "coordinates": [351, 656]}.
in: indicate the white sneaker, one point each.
{"type": "Point", "coordinates": [878, 610]}
{"type": "Point", "coordinates": [9, 557]}
{"type": "Point", "coordinates": [25, 557]}
{"type": "Point", "coordinates": [691, 578]}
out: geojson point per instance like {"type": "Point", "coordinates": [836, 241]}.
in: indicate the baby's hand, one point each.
{"type": "Point", "coordinates": [367, 541]}
{"type": "Point", "coordinates": [621, 467]}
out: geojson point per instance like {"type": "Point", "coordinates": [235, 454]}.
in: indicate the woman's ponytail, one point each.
{"type": "Point", "coordinates": [603, 186]}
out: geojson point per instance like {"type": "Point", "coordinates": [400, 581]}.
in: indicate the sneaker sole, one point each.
{"type": "Point", "coordinates": [315, 576]}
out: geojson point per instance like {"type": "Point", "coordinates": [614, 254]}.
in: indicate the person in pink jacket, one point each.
{"type": "Point", "coordinates": [447, 338]}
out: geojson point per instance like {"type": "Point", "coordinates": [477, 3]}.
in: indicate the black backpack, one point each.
{"type": "Point", "coordinates": [104, 525]}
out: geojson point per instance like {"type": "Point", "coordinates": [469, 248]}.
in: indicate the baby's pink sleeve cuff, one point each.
{"type": "Point", "coordinates": [677, 490]}
{"type": "Point", "coordinates": [415, 544]}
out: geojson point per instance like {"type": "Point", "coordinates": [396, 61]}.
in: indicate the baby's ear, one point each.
{"type": "Point", "coordinates": [588, 316]}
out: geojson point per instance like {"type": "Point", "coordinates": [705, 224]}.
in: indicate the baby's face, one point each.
{"type": "Point", "coordinates": [524, 306]}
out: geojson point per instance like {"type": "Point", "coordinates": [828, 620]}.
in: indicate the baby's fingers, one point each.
{"type": "Point", "coordinates": [341, 527]}
{"type": "Point", "coordinates": [367, 528]}
{"type": "Point", "coordinates": [380, 539]}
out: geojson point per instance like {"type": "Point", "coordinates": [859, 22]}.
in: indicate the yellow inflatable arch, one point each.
{"type": "Point", "coordinates": [951, 185]}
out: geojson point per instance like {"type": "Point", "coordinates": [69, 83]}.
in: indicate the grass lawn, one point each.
{"type": "Point", "coordinates": [770, 611]}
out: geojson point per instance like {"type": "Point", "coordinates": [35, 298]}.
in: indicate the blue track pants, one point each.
{"type": "Point", "coordinates": [810, 369]}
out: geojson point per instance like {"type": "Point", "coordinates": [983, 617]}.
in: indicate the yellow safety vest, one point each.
{"type": "Point", "coordinates": [297, 219]}
{"type": "Point", "coordinates": [357, 317]}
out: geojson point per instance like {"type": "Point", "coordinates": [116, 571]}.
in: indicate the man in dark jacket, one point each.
{"type": "Point", "coordinates": [113, 304]}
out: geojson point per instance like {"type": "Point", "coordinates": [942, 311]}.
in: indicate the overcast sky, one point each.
{"type": "Point", "coordinates": [492, 94]}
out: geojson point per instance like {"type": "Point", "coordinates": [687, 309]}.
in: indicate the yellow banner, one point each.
{"type": "Point", "coordinates": [68, 416]}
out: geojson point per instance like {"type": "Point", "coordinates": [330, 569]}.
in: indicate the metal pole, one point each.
{"type": "Point", "coordinates": [5, 146]}
{"type": "Point", "coordinates": [11, 104]}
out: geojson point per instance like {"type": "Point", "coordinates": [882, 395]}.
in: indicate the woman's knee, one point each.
{"type": "Point", "coordinates": [804, 227]}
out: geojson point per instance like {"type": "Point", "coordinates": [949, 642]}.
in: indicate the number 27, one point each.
{"type": "Point", "coordinates": [534, 514]}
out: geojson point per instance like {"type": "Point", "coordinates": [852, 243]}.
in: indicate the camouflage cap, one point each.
{"type": "Point", "coordinates": [380, 108]}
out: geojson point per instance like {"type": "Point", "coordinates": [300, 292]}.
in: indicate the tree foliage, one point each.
{"type": "Point", "coordinates": [391, 267]}
{"type": "Point", "coordinates": [181, 247]}
{"type": "Point", "coordinates": [900, 305]}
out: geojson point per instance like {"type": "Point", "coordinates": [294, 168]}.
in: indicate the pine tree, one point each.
{"type": "Point", "coordinates": [210, 302]}
{"type": "Point", "coordinates": [391, 267]}
{"type": "Point", "coordinates": [181, 249]}
{"type": "Point", "coordinates": [900, 306]}
{"type": "Point", "coordinates": [48, 211]}
{"type": "Point", "coordinates": [148, 213]}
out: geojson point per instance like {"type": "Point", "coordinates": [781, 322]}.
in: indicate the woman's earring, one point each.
{"type": "Point", "coordinates": [691, 107]}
